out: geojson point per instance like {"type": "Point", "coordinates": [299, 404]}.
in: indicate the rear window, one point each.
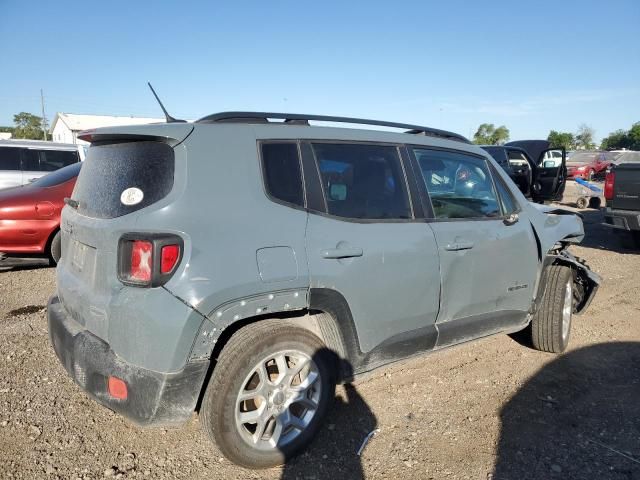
{"type": "Point", "coordinates": [140, 173]}
{"type": "Point", "coordinates": [9, 158]}
{"type": "Point", "coordinates": [59, 176]}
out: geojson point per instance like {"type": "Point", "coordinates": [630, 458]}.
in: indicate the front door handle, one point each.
{"type": "Point", "coordinates": [343, 252]}
{"type": "Point", "coordinates": [454, 246]}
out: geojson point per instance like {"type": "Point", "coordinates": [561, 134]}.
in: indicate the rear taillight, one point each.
{"type": "Point", "coordinates": [609, 182]}
{"type": "Point", "coordinates": [146, 260]}
{"type": "Point", "coordinates": [141, 261]}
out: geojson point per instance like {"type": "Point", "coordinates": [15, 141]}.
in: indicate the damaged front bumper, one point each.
{"type": "Point", "coordinates": [153, 398]}
{"type": "Point", "coordinates": [586, 282]}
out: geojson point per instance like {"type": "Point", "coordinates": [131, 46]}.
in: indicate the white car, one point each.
{"type": "Point", "coordinates": [23, 161]}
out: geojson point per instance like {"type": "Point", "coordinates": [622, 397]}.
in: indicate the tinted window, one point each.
{"type": "Point", "coordinates": [362, 181]}
{"type": "Point", "coordinates": [498, 153]}
{"type": "Point", "coordinates": [459, 185]}
{"type": "Point", "coordinates": [9, 158]}
{"type": "Point", "coordinates": [111, 169]}
{"type": "Point", "coordinates": [47, 160]}
{"type": "Point", "coordinates": [281, 166]}
{"type": "Point", "coordinates": [59, 176]}
{"type": "Point", "coordinates": [51, 160]}
{"type": "Point", "coordinates": [30, 160]}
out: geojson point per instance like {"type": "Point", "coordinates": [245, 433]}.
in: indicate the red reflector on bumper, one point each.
{"type": "Point", "coordinates": [168, 258]}
{"type": "Point", "coordinates": [117, 388]}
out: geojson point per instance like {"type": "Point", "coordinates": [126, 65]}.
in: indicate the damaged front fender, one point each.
{"type": "Point", "coordinates": [585, 281]}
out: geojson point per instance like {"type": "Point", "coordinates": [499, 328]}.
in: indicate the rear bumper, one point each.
{"type": "Point", "coordinates": [622, 219]}
{"type": "Point", "coordinates": [154, 398]}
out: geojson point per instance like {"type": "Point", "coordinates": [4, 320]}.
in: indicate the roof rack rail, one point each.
{"type": "Point", "coordinates": [302, 119]}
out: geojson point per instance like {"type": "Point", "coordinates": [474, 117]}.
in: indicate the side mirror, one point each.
{"type": "Point", "coordinates": [511, 219]}
{"type": "Point", "coordinates": [549, 164]}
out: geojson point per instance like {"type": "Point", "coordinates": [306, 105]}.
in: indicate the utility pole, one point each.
{"type": "Point", "coordinates": [44, 119]}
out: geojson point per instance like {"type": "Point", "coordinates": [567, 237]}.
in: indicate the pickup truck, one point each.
{"type": "Point", "coordinates": [622, 193]}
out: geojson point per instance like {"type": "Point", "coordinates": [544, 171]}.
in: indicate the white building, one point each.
{"type": "Point", "coordinates": [66, 126]}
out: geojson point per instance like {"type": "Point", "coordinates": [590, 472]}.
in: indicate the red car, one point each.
{"type": "Point", "coordinates": [588, 165]}
{"type": "Point", "coordinates": [30, 214]}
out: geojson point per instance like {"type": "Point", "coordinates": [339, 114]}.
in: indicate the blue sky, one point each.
{"type": "Point", "coordinates": [532, 66]}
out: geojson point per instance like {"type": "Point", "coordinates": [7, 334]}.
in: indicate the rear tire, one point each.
{"type": "Point", "coordinates": [249, 387]}
{"type": "Point", "coordinates": [55, 250]}
{"type": "Point", "coordinates": [582, 202]}
{"type": "Point", "coordinates": [595, 202]}
{"type": "Point", "coordinates": [551, 324]}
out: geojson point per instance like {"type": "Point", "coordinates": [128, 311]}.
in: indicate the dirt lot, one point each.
{"type": "Point", "coordinates": [489, 409]}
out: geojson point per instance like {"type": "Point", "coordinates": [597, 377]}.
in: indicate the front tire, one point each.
{"type": "Point", "coordinates": [551, 324]}
{"type": "Point", "coordinates": [268, 393]}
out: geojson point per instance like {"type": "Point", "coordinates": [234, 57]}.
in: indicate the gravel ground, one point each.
{"type": "Point", "coordinates": [492, 409]}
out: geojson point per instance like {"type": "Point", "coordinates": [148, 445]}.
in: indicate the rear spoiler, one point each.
{"type": "Point", "coordinates": [171, 133]}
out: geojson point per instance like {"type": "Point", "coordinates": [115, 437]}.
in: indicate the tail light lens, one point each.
{"type": "Point", "coordinates": [148, 260]}
{"type": "Point", "coordinates": [609, 182]}
{"type": "Point", "coordinates": [169, 258]}
{"type": "Point", "coordinates": [141, 261]}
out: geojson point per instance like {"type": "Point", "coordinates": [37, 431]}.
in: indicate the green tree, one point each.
{"type": "Point", "coordinates": [634, 136]}
{"type": "Point", "coordinates": [561, 139]}
{"type": "Point", "coordinates": [616, 140]}
{"type": "Point", "coordinates": [27, 126]}
{"type": "Point", "coordinates": [584, 137]}
{"type": "Point", "coordinates": [629, 139]}
{"type": "Point", "coordinates": [488, 134]}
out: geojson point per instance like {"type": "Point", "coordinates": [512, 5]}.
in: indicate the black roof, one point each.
{"type": "Point", "coordinates": [302, 119]}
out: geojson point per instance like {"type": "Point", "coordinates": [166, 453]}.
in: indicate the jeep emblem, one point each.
{"type": "Point", "coordinates": [131, 196]}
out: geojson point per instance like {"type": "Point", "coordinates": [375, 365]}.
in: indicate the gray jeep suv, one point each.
{"type": "Point", "coordinates": [241, 266]}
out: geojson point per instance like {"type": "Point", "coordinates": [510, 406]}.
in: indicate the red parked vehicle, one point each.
{"type": "Point", "coordinates": [30, 215]}
{"type": "Point", "coordinates": [588, 165]}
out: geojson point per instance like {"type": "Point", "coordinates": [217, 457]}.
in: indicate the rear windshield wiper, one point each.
{"type": "Point", "coordinates": [71, 202]}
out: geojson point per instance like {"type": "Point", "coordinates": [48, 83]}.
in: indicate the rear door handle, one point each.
{"type": "Point", "coordinates": [344, 252]}
{"type": "Point", "coordinates": [459, 246]}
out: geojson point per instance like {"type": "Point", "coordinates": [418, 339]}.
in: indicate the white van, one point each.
{"type": "Point", "coordinates": [23, 161]}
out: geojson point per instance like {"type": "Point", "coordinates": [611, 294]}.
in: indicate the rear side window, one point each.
{"type": "Point", "coordinates": [362, 181]}
{"type": "Point", "coordinates": [9, 158]}
{"type": "Point", "coordinates": [143, 169]}
{"type": "Point", "coordinates": [47, 160]}
{"type": "Point", "coordinates": [282, 177]}
{"type": "Point", "coordinates": [51, 160]}
{"type": "Point", "coordinates": [459, 185]}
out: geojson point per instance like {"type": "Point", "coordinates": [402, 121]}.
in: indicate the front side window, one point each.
{"type": "Point", "coordinates": [459, 185]}
{"type": "Point", "coordinates": [9, 158]}
{"type": "Point", "coordinates": [282, 177]}
{"type": "Point", "coordinates": [362, 181]}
